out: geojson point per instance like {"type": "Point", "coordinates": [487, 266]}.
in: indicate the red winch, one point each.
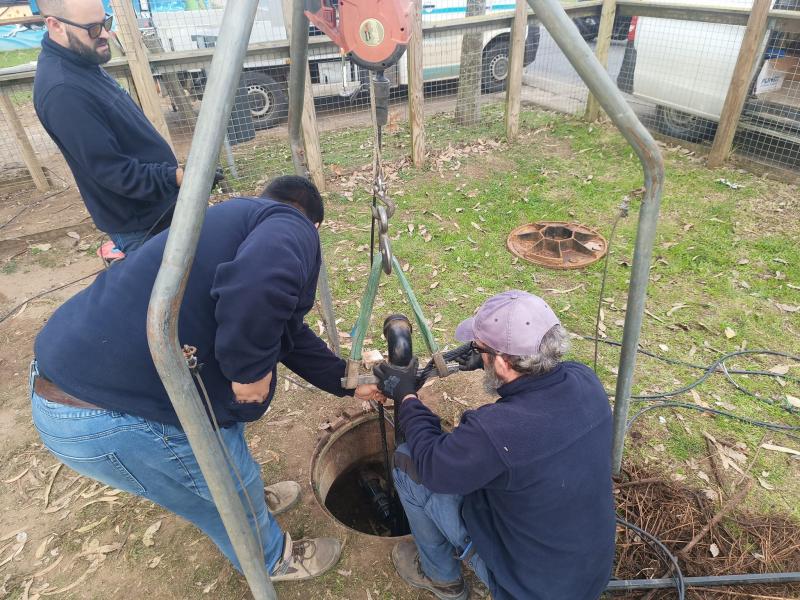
{"type": "Point", "coordinates": [374, 33]}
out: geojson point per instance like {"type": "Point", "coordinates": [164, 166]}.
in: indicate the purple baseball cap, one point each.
{"type": "Point", "coordinates": [513, 323]}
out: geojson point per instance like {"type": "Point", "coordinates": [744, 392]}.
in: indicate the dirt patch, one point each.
{"type": "Point", "coordinates": [27, 212]}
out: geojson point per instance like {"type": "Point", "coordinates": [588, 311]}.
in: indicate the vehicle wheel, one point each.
{"type": "Point", "coordinates": [678, 124]}
{"type": "Point", "coordinates": [588, 27]}
{"type": "Point", "coordinates": [269, 105]}
{"type": "Point", "coordinates": [495, 67]}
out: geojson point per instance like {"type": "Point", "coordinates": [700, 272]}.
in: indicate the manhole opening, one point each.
{"type": "Point", "coordinates": [349, 479]}
{"type": "Point", "coordinates": [359, 498]}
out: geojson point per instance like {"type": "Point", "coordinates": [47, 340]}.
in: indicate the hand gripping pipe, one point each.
{"type": "Point", "coordinates": [170, 284]}
{"type": "Point", "coordinates": [566, 35]}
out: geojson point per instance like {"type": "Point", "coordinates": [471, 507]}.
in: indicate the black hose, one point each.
{"type": "Point", "coordinates": [718, 366]}
{"type": "Point", "coordinates": [779, 427]}
{"type": "Point", "coordinates": [671, 561]}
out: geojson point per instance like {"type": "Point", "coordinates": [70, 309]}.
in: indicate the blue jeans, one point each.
{"type": "Point", "coordinates": [130, 241]}
{"type": "Point", "coordinates": [439, 531]}
{"type": "Point", "coordinates": [155, 461]}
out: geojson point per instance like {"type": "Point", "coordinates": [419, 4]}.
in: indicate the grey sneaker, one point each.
{"type": "Point", "coordinates": [406, 560]}
{"type": "Point", "coordinates": [305, 559]}
{"type": "Point", "coordinates": [282, 496]}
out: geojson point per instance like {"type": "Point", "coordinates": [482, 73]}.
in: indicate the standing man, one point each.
{"type": "Point", "coordinates": [98, 401]}
{"type": "Point", "coordinates": [521, 489]}
{"type": "Point", "coordinates": [126, 172]}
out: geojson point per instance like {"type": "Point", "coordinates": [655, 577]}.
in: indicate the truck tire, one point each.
{"type": "Point", "coordinates": [269, 105]}
{"type": "Point", "coordinates": [678, 124]}
{"type": "Point", "coordinates": [495, 67]}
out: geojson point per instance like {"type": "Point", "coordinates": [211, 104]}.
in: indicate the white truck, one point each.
{"type": "Point", "coordinates": [685, 69]}
{"type": "Point", "coordinates": [265, 79]}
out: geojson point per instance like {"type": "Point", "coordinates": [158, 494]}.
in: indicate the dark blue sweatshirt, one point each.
{"type": "Point", "coordinates": [124, 169]}
{"type": "Point", "coordinates": [252, 281]}
{"type": "Point", "coordinates": [535, 472]}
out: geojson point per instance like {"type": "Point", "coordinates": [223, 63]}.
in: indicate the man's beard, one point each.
{"type": "Point", "coordinates": [490, 379]}
{"type": "Point", "coordinates": [97, 54]}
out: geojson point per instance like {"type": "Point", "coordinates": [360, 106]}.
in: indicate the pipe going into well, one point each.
{"type": "Point", "coordinates": [566, 35]}
{"type": "Point", "coordinates": [170, 284]}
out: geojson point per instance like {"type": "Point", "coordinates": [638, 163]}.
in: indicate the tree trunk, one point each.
{"type": "Point", "coordinates": [468, 109]}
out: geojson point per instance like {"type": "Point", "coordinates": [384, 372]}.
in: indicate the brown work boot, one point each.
{"type": "Point", "coordinates": [406, 560]}
{"type": "Point", "coordinates": [305, 559]}
{"type": "Point", "coordinates": [282, 496]}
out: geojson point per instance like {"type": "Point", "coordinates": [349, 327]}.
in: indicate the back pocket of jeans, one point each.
{"type": "Point", "coordinates": [106, 469]}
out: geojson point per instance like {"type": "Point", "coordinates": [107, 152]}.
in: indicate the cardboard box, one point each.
{"type": "Point", "coordinates": [769, 78]}
{"type": "Point", "coordinates": [789, 66]}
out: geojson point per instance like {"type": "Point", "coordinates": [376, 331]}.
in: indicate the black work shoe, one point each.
{"type": "Point", "coordinates": [406, 560]}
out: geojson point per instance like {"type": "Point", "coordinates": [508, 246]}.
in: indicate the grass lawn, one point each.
{"type": "Point", "coordinates": [725, 273]}
{"type": "Point", "coordinates": [12, 58]}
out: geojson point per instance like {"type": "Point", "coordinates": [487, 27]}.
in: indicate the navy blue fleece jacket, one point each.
{"type": "Point", "coordinates": [252, 282]}
{"type": "Point", "coordinates": [124, 169]}
{"type": "Point", "coordinates": [535, 472]}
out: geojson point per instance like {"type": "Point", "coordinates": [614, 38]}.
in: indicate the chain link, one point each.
{"type": "Point", "coordinates": [381, 213]}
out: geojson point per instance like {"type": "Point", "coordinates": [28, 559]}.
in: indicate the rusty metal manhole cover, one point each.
{"type": "Point", "coordinates": [557, 245]}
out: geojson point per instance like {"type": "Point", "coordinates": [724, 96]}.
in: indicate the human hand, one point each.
{"type": "Point", "coordinates": [397, 382]}
{"type": "Point", "coordinates": [469, 361]}
{"type": "Point", "coordinates": [369, 391]}
{"type": "Point", "coordinates": [179, 176]}
{"type": "Point", "coordinates": [219, 175]}
{"type": "Point", "coordinates": [252, 393]}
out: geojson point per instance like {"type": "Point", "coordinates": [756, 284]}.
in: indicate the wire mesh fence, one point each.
{"type": "Point", "coordinates": [20, 125]}
{"type": "Point", "coordinates": [675, 72]}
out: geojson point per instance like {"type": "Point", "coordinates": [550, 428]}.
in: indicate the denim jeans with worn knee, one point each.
{"type": "Point", "coordinates": [130, 241]}
{"type": "Point", "coordinates": [439, 531]}
{"type": "Point", "coordinates": [155, 461]}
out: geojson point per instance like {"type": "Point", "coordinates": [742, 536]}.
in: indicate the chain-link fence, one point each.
{"type": "Point", "coordinates": [676, 72]}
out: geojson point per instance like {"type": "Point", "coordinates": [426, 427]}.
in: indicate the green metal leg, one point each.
{"type": "Point", "coordinates": [367, 302]}
{"type": "Point", "coordinates": [427, 335]}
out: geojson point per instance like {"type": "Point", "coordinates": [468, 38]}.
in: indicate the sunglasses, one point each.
{"type": "Point", "coordinates": [479, 350]}
{"type": "Point", "coordinates": [93, 29]}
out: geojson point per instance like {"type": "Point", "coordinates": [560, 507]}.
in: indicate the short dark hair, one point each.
{"type": "Point", "coordinates": [298, 191]}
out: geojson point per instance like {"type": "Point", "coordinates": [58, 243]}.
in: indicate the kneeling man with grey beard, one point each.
{"type": "Point", "coordinates": [520, 490]}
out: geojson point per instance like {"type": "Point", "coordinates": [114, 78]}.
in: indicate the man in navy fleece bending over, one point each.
{"type": "Point", "coordinates": [521, 489]}
{"type": "Point", "coordinates": [99, 404]}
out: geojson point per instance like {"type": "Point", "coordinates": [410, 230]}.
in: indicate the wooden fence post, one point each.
{"type": "Point", "coordinates": [604, 33]}
{"type": "Point", "coordinates": [740, 82]}
{"type": "Point", "coordinates": [308, 123]}
{"type": "Point", "coordinates": [514, 86]}
{"type": "Point", "coordinates": [416, 95]}
{"type": "Point", "coordinates": [139, 66]}
{"type": "Point", "coordinates": [25, 148]}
